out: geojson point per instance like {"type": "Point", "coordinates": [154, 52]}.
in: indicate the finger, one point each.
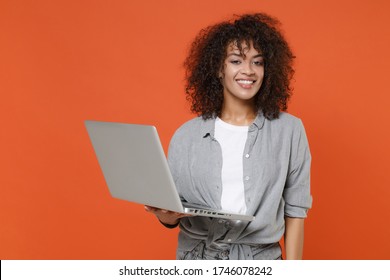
{"type": "Point", "coordinates": [148, 208]}
{"type": "Point", "coordinates": [156, 210]}
{"type": "Point", "coordinates": [151, 209]}
{"type": "Point", "coordinates": [187, 215]}
{"type": "Point", "coordinates": [181, 215]}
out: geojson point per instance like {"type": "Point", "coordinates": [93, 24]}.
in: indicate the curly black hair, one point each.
{"type": "Point", "coordinates": [208, 52]}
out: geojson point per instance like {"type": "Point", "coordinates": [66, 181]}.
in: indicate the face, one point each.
{"type": "Point", "coordinates": [242, 74]}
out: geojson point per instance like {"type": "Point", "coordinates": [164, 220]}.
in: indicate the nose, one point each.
{"type": "Point", "coordinates": [247, 69]}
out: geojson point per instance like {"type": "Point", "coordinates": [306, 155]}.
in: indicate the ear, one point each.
{"type": "Point", "coordinates": [220, 74]}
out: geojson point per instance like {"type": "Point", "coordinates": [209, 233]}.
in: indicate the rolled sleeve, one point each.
{"type": "Point", "coordinates": [297, 197]}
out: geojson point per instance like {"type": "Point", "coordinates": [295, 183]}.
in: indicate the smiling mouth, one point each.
{"type": "Point", "coordinates": [246, 82]}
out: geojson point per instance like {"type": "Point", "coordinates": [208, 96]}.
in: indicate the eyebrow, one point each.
{"type": "Point", "coordinates": [239, 54]}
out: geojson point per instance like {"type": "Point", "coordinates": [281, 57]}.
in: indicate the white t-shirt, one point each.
{"type": "Point", "coordinates": [232, 139]}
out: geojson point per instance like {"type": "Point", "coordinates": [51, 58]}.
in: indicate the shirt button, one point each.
{"type": "Point", "coordinates": [247, 155]}
{"type": "Point", "coordinates": [229, 240]}
{"type": "Point", "coordinates": [246, 178]}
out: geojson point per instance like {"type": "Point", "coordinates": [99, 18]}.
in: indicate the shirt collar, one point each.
{"type": "Point", "coordinates": [258, 122]}
{"type": "Point", "coordinates": [208, 126]}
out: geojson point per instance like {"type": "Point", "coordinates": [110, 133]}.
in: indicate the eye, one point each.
{"type": "Point", "coordinates": [259, 62]}
{"type": "Point", "coordinates": [236, 62]}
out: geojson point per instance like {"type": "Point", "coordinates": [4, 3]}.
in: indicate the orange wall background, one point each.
{"type": "Point", "coordinates": [65, 61]}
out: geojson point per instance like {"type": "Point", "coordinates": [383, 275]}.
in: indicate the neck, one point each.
{"type": "Point", "coordinates": [238, 114]}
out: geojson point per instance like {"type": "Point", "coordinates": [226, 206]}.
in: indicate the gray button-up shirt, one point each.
{"type": "Point", "coordinates": [276, 176]}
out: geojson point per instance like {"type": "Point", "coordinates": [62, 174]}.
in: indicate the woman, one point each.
{"type": "Point", "coordinates": [243, 153]}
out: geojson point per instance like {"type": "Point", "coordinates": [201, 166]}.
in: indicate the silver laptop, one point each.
{"type": "Point", "coordinates": [135, 168]}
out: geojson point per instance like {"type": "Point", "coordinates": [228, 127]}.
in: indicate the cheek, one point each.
{"type": "Point", "coordinates": [231, 70]}
{"type": "Point", "coordinates": [227, 76]}
{"type": "Point", "coordinates": [260, 72]}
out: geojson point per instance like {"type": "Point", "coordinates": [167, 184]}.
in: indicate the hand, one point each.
{"type": "Point", "coordinates": [166, 216]}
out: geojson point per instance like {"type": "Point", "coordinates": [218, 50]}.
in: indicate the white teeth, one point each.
{"type": "Point", "coordinates": [247, 82]}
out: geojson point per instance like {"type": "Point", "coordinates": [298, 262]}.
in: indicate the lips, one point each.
{"type": "Point", "coordinates": [245, 83]}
